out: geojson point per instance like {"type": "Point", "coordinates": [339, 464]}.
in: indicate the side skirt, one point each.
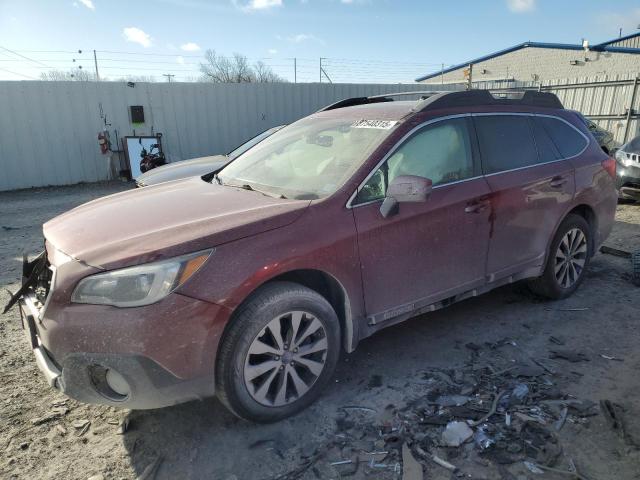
{"type": "Point", "coordinates": [404, 312]}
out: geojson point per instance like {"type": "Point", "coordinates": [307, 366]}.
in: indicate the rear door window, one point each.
{"type": "Point", "coordinates": [567, 139]}
{"type": "Point", "coordinates": [506, 142]}
{"type": "Point", "coordinates": [547, 151]}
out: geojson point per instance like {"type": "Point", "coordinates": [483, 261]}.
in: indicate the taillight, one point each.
{"type": "Point", "coordinates": [610, 166]}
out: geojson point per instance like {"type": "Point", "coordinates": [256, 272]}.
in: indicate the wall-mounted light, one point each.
{"type": "Point", "coordinates": [484, 71]}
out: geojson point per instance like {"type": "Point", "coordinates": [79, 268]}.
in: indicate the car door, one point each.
{"type": "Point", "coordinates": [431, 250]}
{"type": "Point", "coordinates": [531, 187]}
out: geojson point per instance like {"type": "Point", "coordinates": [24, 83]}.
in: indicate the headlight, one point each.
{"type": "Point", "coordinates": [622, 158]}
{"type": "Point", "coordinates": [139, 285]}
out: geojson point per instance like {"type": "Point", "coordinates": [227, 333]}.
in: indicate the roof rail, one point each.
{"type": "Point", "coordinates": [472, 98]}
{"type": "Point", "coordinates": [432, 100]}
{"type": "Point", "coordinates": [385, 97]}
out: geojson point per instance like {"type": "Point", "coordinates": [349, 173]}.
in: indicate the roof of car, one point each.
{"type": "Point", "coordinates": [377, 111]}
{"type": "Point", "coordinates": [384, 107]}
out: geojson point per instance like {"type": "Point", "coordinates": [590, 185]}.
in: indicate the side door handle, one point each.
{"type": "Point", "coordinates": [557, 182]}
{"type": "Point", "coordinates": [477, 206]}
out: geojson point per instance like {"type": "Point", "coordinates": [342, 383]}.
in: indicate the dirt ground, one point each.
{"type": "Point", "coordinates": [45, 435]}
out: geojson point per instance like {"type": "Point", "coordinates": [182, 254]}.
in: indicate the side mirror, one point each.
{"type": "Point", "coordinates": [405, 188]}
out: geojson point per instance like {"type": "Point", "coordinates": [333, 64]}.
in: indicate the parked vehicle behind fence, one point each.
{"type": "Point", "coordinates": [199, 166]}
{"type": "Point", "coordinates": [341, 224]}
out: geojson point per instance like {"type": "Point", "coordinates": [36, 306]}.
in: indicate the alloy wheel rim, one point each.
{"type": "Point", "coordinates": [285, 359]}
{"type": "Point", "coordinates": [571, 257]}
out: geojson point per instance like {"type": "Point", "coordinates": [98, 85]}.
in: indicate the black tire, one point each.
{"type": "Point", "coordinates": [547, 285]}
{"type": "Point", "coordinates": [635, 267]}
{"type": "Point", "coordinates": [251, 320]}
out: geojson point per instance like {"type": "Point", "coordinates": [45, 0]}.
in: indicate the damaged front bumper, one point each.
{"type": "Point", "coordinates": [47, 366]}
{"type": "Point", "coordinates": [111, 356]}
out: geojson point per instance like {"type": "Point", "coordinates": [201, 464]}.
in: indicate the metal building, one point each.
{"type": "Point", "coordinates": [539, 62]}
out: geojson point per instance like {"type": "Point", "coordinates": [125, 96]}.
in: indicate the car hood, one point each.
{"type": "Point", "coordinates": [183, 169]}
{"type": "Point", "coordinates": [147, 224]}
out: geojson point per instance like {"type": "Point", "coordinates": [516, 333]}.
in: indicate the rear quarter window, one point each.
{"type": "Point", "coordinates": [567, 139]}
{"type": "Point", "coordinates": [506, 142]}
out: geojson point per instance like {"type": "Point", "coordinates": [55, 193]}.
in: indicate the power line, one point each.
{"type": "Point", "coordinates": [27, 58]}
{"type": "Point", "coordinates": [18, 74]}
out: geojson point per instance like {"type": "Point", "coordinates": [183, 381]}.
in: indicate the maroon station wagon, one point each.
{"type": "Point", "coordinates": [249, 283]}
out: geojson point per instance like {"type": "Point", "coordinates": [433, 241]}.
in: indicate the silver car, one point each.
{"type": "Point", "coordinates": [628, 170]}
{"type": "Point", "coordinates": [201, 165]}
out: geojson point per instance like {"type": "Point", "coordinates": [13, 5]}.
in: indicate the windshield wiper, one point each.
{"type": "Point", "coordinates": [246, 186]}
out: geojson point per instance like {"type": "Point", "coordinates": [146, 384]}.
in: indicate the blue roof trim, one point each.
{"type": "Point", "coordinates": [626, 37]}
{"type": "Point", "coordinates": [559, 46]}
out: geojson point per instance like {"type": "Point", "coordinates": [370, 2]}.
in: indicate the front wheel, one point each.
{"type": "Point", "coordinates": [567, 260]}
{"type": "Point", "coordinates": [280, 351]}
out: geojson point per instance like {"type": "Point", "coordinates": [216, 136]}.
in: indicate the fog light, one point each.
{"type": "Point", "coordinates": [109, 383]}
{"type": "Point", "coordinates": [117, 383]}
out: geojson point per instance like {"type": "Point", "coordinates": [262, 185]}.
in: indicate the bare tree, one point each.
{"type": "Point", "coordinates": [220, 69]}
{"type": "Point", "coordinates": [76, 75]}
{"type": "Point", "coordinates": [264, 74]}
{"type": "Point", "coordinates": [136, 78]}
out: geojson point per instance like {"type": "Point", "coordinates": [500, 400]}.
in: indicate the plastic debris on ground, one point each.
{"type": "Point", "coordinates": [499, 415]}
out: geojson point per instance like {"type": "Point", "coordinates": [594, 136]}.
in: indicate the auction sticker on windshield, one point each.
{"type": "Point", "coordinates": [381, 124]}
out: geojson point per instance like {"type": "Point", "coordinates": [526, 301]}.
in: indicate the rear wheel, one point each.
{"type": "Point", "coordinates": [278, 354]}
{"type": "Point", "coordinates": [567, 259]}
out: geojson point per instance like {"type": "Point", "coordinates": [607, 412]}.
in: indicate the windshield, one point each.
{"type": "Point", "coordinates": [309, 159]}
{"type": "Point", "coordinates": [632, 147]}
{"type": "Point", "coordinates": [251, 142]}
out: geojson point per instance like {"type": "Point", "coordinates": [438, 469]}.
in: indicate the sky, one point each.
{"type": "Point", "coordinates": [383, 41]}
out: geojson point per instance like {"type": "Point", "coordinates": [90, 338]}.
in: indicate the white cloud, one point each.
{"type": "Point", "coordinates": [272, 51]}
{"type": "Point", "coordinates": [135, 35]}
{"type": "Point", "coordinates": [252, 5]}
{"type": "Point", "coordinates": [521, 6]}
{"type": "Point", "coordinates": [190, 47]}
{"type": "Point", "coordinates": [628, 21]}
{"type": "Point", "coordinates": [302, 37]}
{"type": "Point", "coordinates": [88, 3]}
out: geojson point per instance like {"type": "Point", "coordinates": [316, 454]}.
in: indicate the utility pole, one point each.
{"type": "Point", "coordinates": [295, 71]}
{"type": "Point", "coordinates": [469, 74]}
{"type": "Point", "coordinates": [442, 75]}
{"type": "Point", "coordinates": [320, 71]}
{"type": "Point", "coordinates": [95, 60]}
{"type": "Point", "coordinates": [169, 76]}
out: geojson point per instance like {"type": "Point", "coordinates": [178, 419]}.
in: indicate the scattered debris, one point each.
{"type": "Point", "coordinates": [557, 340]}
{"type": "Point", "coordinates": [411, 469]}
{"type": "Point", "coordinates": [615, 251]}
{"type": "Point", "coordinates": [456, 433]}
{"type": "Point", "coordinates": [357, 408]}
{"type": "Point", "coordinates": [502, 407]}
{"type": "Point", "coordinates": [451, 400]}
{"type": "Point", "coordinates": [123, 426]}
{"type": "Point", "coordinates": [613, 414]}
{"type": "Point", "coordinates": [608, 357]}
{"type": "Point", "coordinates": [55, 413]}
{"type": "Point", "coordinates": [569, 355]}
{"type": "Point", "coordinates": [82, 426]}
{"type": "Point", "coordinates": [444, 463]}
{"type": "Point", "coordinates": [563, 418]}
{"type": "Point", "coordinates": [533, 468]}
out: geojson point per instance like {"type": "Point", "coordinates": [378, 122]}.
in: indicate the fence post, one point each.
{"type": "Point", "coordinates": [630, 110]}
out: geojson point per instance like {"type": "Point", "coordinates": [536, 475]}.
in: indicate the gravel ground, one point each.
{"type": "Point", "coordinates": [45, 435]}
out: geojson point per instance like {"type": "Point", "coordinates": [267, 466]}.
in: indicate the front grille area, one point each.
{"type": "Point", "coordinates": [42, 285]}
